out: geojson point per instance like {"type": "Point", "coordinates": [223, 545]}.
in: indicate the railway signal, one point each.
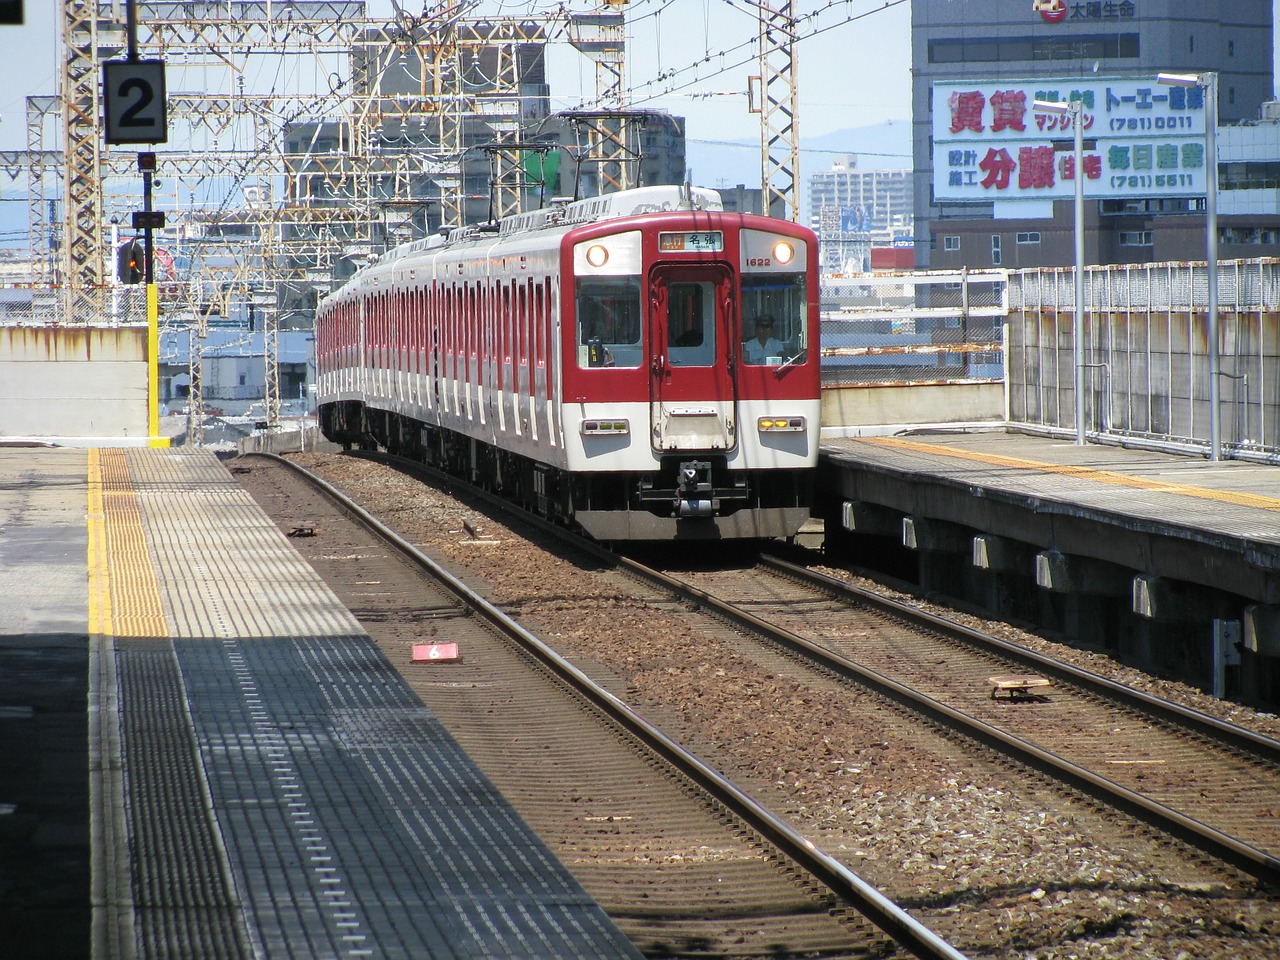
{"type": "Point", "coordinates": [131, 262]}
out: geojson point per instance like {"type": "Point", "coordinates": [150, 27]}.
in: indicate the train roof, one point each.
{"type": "Point", "coordinates": [563, 213]}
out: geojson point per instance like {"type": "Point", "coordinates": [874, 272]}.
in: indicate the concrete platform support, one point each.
{"type": "Point", "coordinates": [941, 547]}
{"type": "Point", "coordinates": [858, 516]}
{"type": "Point", "coordinates": [1153, 599]}
{"type": "Point", "coordinates": [1082, 596]}
{"type": "Point", "coordinates": [1003, 573]}
{"type": "Point", "coordinates": [1190, 629]}
{"type": "Point", "coordinates": [1260, 656]}
{"type": "Point", "coordinates": [1262, 630]}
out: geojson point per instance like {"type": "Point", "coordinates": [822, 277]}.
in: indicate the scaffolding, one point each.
{"type": "Point", "coordinates": [312, 121]}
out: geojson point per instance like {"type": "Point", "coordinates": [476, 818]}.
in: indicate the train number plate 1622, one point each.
{"type": "Point", "coordinates": [707, 241]}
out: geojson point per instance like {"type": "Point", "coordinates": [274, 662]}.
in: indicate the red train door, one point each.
{"type": "Point", "coordinates": [692, 390]}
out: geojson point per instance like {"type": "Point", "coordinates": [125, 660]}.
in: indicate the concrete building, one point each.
{"type": "Point", "coordinates": [854, 210]}
{"type": "Point", "coordinates": [870, 201]}
{"type": "Point", "coordinates": [994, 40]}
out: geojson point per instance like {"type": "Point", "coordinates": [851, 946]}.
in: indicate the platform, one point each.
{"type": "Point", "coordinates": [1169, 562]}
{"type": "Point", "coordinates": [1182, 517]}
{"type": "Point", "coordinates": [187, 768]}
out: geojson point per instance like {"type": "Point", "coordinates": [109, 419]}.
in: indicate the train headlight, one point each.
{"type": "Point", "coordinates": [783, 252]}
{"type": "Point", "coordinates": [780, 424]}
{"type": "Point", "coordinates": [605, 428]}
{"type": "Point", "coordinates": [597, 255]}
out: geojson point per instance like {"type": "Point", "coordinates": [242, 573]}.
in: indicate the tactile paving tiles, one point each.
{"type": "Point", "coordinates": [224, 569]}
{"type": "Point", "coordinates": [350, 823]}
{"type": "Point", "coordinates": [354, 821]}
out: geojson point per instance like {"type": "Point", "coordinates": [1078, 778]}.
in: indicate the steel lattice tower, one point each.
{"type": "Point", "coordinates": [779, 112]}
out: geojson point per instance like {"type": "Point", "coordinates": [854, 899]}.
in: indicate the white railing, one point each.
{"type": "Point", "coordinates": [1145, 353]}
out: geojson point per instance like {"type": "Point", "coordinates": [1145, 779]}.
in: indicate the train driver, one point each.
{"type": "Point", "coordinates": [763, 348]}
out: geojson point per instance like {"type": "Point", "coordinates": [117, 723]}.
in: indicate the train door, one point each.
{"type": "Point", "coordinates": [692, 389]}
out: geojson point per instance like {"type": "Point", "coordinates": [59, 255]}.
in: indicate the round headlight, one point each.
{"type": "Point", "coordinates": [597, 255]}
{"type": "Point", "coordinates": [783, 252]}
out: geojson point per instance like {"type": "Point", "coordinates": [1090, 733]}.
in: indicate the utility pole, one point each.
{"type": "Point", "coordinates": [134, 107]}
{"type": "Point", "coordinates": [82, 254]}
{"type": "Point", "coordinates": [607, 136]}
{"type": "Point", "coordinates": [778, 109]}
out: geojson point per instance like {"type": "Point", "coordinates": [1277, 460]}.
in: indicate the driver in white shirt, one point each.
{"type": "Point", "coordinates": [763, 345]}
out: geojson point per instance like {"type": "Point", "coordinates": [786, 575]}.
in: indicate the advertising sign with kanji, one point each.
{"type": "Point", "coordinates": [1142, 139]}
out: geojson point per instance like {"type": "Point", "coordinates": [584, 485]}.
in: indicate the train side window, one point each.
{"type": "Point", "coordinates": [779, 297]}
{"type": "Point", "coordinates": [691, 324]}
{"type": "Point", "coordinates": [608, 314]}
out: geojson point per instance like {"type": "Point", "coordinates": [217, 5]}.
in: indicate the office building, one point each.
{"type": "Point", "coordinates": [990, 42]}
{"type": "Point", "coordinates": [853, 210]}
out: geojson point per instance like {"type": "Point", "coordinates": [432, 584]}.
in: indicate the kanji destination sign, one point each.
{"type": "Point", "coordinates": [990, 143]}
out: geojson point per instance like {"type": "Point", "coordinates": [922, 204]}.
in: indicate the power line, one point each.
{"type": "Point", "coordinates": [636, 91]}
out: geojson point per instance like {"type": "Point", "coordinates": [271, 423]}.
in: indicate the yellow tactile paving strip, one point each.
{"type": "Point", "coordinates": [1109, 477]}
{"type": "Point", "coordinates": [124, 598]}
{"type": "Point", "coordinates": [223, 568]}
{"type": "Point", "coordinates": [178, 549]}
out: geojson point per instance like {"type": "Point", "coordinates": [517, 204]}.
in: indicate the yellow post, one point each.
{"type": "Point", "coordinates": [153, 368]}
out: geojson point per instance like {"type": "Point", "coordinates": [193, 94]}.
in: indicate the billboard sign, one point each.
{"type": "Point", "coordinates": [1143, 140]}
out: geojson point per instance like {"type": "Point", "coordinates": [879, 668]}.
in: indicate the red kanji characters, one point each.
{"type": "Point", "coordinates": [966, 111]}
{"type": "Point", "coordinates": [1035, 167]}
{"type": "Point", "coordinates": [1067, 166]}
{"type": "Point", "coordinates": [997, 165]}
{"type": "Point", "coordinates": [1008, 107]}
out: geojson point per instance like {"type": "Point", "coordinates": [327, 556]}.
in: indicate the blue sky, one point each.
{"type": "Point", "coordinates": [689, 57]}
{"type": "Point", "coordinates": [852, 73]}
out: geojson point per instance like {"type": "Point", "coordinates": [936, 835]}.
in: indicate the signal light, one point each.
{"type": "Point", "coordinates": [131, 262]}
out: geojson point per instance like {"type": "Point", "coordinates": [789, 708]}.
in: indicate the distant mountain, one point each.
{"type": "Point", "coordinates": [721, 163]}
{"type": "Point", "coordinates": [883, 146]}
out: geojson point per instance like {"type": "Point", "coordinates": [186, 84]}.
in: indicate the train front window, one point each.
{"type": "Point", "coordinates": [691, 324]}
{"type": "Point", "coordinates": [609, 322]}
{"type": "Point", "coordinates": [773, 313]}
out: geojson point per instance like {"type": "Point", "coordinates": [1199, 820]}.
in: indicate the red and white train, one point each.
{"type": "Point", "coordinates": [599, 361]}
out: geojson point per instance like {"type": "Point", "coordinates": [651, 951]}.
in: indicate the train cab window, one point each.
{"type": "Point", "coordinates": [609, 322]}
{"type": "Point", "coordinates": [773, 314]}
{"type": "Point", "coordinates": [691, 324]}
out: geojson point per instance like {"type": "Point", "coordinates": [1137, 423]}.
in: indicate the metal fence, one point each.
{"type": "Point", "coordinates": [1144, 353]}
{"type": "Point", "coordinates": [26, 304]}
{"type": "Point", "coordinates": [913, 328]}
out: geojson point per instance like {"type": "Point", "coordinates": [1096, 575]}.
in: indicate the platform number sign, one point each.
{"type": "Point", "coordinates": [135, 101]}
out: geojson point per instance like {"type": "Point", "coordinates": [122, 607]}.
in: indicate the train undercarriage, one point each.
{"type": "Point", "coordinates": [690, 496]}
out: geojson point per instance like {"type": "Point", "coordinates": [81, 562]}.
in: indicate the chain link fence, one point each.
{"type": "Point", "coordinates": [31, 305]}
{"type": "Point", "coordinates": [910, 328]}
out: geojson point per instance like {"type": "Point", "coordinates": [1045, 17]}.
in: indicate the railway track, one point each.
{"type": "Point", "coordinates": [1208, 783]}
{"type": "Point", "coordinates": [992, 852]}
{"type": "Point", "coordinates": [684, 861]}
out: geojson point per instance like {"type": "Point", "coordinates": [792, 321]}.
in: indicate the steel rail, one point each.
{"type": "Point", "coordinates": [1228, 849]}
{"type": "Point", "coordinates": [851, 888]}
{"type": "Point", "coordinates": [1238, 738]}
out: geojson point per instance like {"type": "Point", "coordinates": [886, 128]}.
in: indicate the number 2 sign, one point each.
{"type": "Point", "coordinates": [134, 96]}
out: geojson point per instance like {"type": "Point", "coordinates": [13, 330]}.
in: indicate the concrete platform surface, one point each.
{"type": "Point", "coordinates": [203, 755]}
